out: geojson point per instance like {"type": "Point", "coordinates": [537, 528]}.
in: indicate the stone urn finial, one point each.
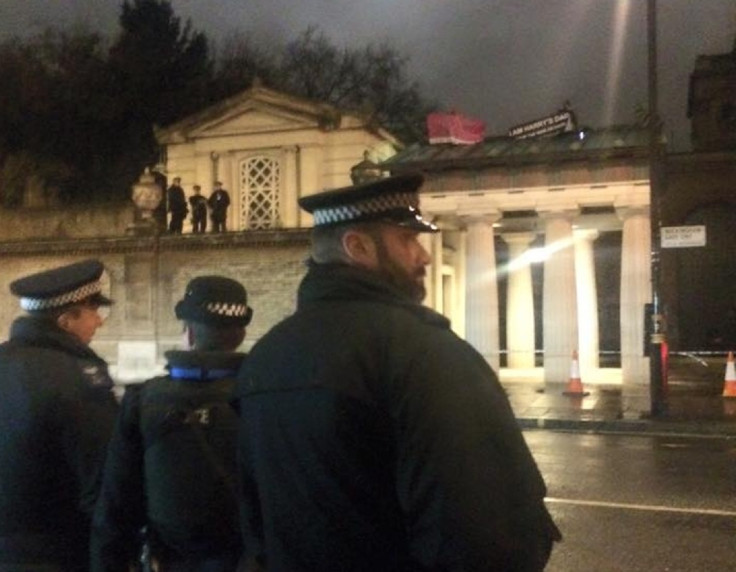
{"type": "Point", "coordinates": [365, 171]}
{"type": "Point", "coordinates": [147, 194]}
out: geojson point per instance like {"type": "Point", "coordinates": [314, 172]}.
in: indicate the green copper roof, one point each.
{"type": "Point", "coordinates": [584, 143]}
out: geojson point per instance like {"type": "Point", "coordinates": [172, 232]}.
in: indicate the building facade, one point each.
{"type": "Point", "coordinates": [516, 265]}
{"type": "Point", "coordinates": [268, 149]}
{"type": "Point", "coordinates": [712, 102]}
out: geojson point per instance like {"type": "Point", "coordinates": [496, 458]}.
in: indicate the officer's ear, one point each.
{"type": "Point", "coordinates": [187, 337]}
{"type": "Point", "coordinates": [360, 248]}
{"type": "Point", "coordinates": [66, 318]}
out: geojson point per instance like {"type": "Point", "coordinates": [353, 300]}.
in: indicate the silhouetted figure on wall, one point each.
{"type": "Point", "coordinates": [199, 210]}
{"type": "Point", "coordinates": [177, 206]}
{"type": "Point", "coordinates": [219, 201]}
{"type": "Point", "coordinates": [159, 213]}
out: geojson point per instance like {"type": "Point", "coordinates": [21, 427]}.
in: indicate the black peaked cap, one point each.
{"type": "Point", "coordinates": [216, 301]}
{"type": "Point", "coordinates": [61, 287]}
{"type": "Point", "coordinates": [394, 200]}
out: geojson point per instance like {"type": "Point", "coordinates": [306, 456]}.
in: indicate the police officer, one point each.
{"type": "Point", "coordinates": [177, 203]}
{"type": "Point", "coordinates": [374, 438]}
{"type": "Point", "coordinates": [57, 412]}
{"type": "Point", "coordinates": [199, 210]}
{"type": "Point", "coordinates": [218, 202]}
{"type": "Point", "coordinates": [171, 464]}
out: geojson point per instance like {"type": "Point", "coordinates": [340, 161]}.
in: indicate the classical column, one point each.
{"type": "Point", "coordinates": [560, 297]}
{"type": "Point", "coordinates": [425, 239]}
{"type": "Point", "coordinates": [520, 326]}
{"type": "Point", "coordinates": [481, 301]}
{"type": "Point", "coordinates": [433, 282]}
{"type": "Point", "coordinates": [287, 213]}
{"type": "Point", "coordinates": [587, 301]}
{"type": "Point", "coordinates": [635, 292]}
{"type": "Point", "coordinates": [454, 274]}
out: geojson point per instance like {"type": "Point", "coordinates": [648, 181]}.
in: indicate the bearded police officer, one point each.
{"type": "Point", "coordinates": [171, 464]}
{"type": "Point", "coordinates": [56, 416]}
{"type": "Point", "coordinates": [374, 438]}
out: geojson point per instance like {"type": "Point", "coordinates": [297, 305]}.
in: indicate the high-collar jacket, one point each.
{"type": "Point", "coordinates": [56, 416]}
{"type": "Point", "coordinates": [377, 439]}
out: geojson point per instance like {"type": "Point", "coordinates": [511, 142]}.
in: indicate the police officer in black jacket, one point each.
{"type": "Point", "coordinates": [177, 203]}
{"type": "Point", "coordinates": [57, 412]}
{"type": "Point", "coordinates": [373, 437]}
{"type": "Point", "coordinates": [218, 202]}
{"type": "Point", "coordinates": [171, 463]}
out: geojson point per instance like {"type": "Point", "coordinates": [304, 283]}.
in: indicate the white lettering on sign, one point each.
{"type": "Point", "coordinates": [683, 236]}
{"type": "Point", "coordinates": [555, 123]}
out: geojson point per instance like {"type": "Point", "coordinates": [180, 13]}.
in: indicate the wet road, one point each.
{"type": "Point", "coordinates": [649, 503]}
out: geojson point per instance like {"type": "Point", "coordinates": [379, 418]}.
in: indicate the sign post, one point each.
{"type": "Point", "coordinates": [658, 336]}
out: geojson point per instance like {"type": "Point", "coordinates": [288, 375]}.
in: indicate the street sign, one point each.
{"type": "Point", "coordinates": [683, 236]}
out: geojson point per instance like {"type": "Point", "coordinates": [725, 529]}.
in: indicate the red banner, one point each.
{"type": "Point", "coordinates": [454, 128]}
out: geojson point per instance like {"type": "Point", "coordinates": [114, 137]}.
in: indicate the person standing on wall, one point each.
{"type": "Point", "coordinates": [372, 436]}
{"type": "Point", "coordinates": [218, 202]}
{"type": "Point", "coordinates": [177, 206]}
{"type": "Point", "coordinates": [199, 210]}
{"type": "Point", "coordinates": [57, 412]}
{"type": "Point", "coordinates": [171, 465]}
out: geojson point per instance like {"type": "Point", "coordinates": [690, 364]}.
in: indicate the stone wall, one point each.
{"type": "Point", "coordinates": [147, 276]}
{"type": "Point", "coordinates": [65, 222]}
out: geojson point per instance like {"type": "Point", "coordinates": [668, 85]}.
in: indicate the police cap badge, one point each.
{"type": "Point", "coordinates": [215, 300]}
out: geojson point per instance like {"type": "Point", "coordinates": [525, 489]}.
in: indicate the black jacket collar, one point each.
{"type": "Point", "coordinates": [335, 282]}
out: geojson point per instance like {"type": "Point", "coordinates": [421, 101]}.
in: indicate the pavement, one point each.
{"type": "Point", "coordinates": [692, 408]}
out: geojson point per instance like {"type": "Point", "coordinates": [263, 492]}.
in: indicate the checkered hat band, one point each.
{"type": "Point", "coordinates": [77, 295]}
{"type": "Point", "coordinates": [222, 309]}
{"type": "Point", "coordinates": [370, 206]}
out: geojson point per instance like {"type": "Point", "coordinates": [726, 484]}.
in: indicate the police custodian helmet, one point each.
{"type": "Point", "coordinates": [393, 200]}
{"type": "Point", "coordinates": [215, 301]}
{"type": "Point", "coordinates": [62, 287]}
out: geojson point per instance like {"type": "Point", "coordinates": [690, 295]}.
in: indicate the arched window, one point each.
{"type": "Point", "coordinates": [260, 182]}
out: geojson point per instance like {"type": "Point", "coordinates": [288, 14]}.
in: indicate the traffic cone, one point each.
{"type": "Point", "coordinates": [729, 385]}
{"type": "Point", "coordinates": [574, 385]}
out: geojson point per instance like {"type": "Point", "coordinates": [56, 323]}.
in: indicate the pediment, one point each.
{"type": "Point", "coordinates": [253, 119]}
{"type": "Point", "coordinates": [257, 110]}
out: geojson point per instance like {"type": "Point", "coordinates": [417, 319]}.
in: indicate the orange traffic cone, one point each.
{"type": "Point", "coordinates": [729, 385]}
{"type": "Point", "coordinates": [574, 385]}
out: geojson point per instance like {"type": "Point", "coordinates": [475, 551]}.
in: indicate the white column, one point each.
{"type": "Point", "coordinates": [230, 179]}
{"type": "Point", "coordinates": [425, 239]}
{"type": "Point", "coordinates": [587, 301]}
{"type": "Point", "coordinates": [635, 292]}
{"type": "Point", "coordinates": [560, 297]}
{"type": "Point", "coordinates": [288, 217]}
{"type": "Point", "coordinates": [438, 290]}
{"type": "Point", "coordinates": [481, 302]}
{"type": "Point", "coordinates": [454, 272]}
{"type": "Point", "coordinates": [520, 326]}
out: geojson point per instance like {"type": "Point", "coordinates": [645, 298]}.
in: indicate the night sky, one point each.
{"type": "Point", "coordinates": [503, 61]}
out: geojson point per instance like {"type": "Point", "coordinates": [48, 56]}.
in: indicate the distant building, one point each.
{"type": "Point", "coordinates": [712, 102]}
{"type": "Point", "coordinates": [700, 190]}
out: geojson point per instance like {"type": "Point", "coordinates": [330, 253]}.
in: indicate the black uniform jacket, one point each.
{"type": "Point", "coordinates": [177, 201]}
{"type": "Point", "coordinates": [153, 474]}
{"type": "Point", "coordinates": [57, 412]}
{"type": "Point", "coordinates": [219, 201]}
{"type": "Point", "coordinates": [373, 438]}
